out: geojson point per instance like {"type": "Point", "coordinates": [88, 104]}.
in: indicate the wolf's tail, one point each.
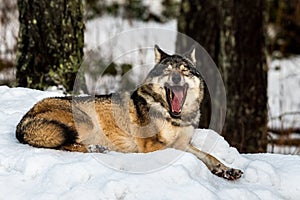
{"type": "Point", "coordinates": [41, 132]}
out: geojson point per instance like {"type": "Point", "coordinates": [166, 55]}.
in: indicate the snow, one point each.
{"type": "Point", "coordinates": [283, 92]}
{"type": "Point", "coordinates": [32, 173]}
{"type": "Point", "coordinates": [283, 100]}
{"type": "Point", "coordinates": [124, 39]}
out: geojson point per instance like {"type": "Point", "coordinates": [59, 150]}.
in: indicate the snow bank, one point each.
{"type": "Point", "coordinates": [32, 173]}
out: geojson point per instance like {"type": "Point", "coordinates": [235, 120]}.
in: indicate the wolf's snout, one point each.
{"type": "Point", "coordinates": [176, 78]}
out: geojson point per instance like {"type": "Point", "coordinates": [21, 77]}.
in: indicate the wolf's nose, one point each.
{"type": "Point", "coordinates": [176, 78]}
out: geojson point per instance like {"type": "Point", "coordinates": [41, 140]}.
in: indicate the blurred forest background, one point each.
{"type": "Point", "coordinates": [255, 44]}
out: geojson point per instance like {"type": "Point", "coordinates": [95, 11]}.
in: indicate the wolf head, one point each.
{"type": "Point", "coordinates": [176, 83]}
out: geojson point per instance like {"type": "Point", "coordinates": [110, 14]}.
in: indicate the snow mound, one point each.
{"type": "Point", "coordinates": [32, 173]}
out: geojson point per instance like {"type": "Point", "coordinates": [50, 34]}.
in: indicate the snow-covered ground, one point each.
{"type": "Point", "coordinates": [31, 173]}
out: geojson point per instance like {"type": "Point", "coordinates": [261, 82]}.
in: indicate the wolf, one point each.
{"type": "Point", "coordinates": [160, 113]}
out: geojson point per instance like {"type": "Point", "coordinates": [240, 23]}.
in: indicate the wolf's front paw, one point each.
{"type": "Point", "coordinates": [227, 173]}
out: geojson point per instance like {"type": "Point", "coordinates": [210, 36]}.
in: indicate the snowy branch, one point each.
{"type": "Point", "coordinates": [285, 114]}
{"type": "Point", "coordinates": [285, 142]}
{"type": "Point", "coordinates": [284, 131]}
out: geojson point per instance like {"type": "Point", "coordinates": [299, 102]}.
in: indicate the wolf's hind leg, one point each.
{"type": "Point", "coordinates": [214, 165]}
{"type": "Point", "coordinates": [85, 149]}
{"type": "Point", "coordinates": [75, 147]}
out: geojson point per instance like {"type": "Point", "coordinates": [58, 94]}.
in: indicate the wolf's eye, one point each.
{"type": "Point", "coordinates": [185, 71]}
{"type": "Point", "coordinates": [168, 69]}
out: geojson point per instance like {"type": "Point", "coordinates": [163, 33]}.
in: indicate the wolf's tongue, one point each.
{"type": "Point", "coordinates": [176, 102]}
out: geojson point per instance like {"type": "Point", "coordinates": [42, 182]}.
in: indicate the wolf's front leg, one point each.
{"type": "Point", "coordinates": [214, 165]}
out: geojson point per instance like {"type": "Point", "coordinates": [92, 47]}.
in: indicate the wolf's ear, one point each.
{"type": "Point", "coordinates": [159, 54]}
{"type": "Point", "coordinates": [191, 54]}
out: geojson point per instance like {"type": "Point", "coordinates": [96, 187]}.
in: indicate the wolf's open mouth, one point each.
{"type": "Point", "coordinates": [176, 96]}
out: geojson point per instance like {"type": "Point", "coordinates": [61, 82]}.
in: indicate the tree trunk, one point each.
{"type": "Point", "coordinates": [243, 63]}
{"type": "Point", "coordinates": [198, 20]}
{"type": "Point", "coordinates": [233, 34]}
{"type": "Point", "coordinates": [50, 44]}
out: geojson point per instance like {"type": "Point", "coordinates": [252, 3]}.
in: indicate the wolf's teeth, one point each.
{"type": "Point", "coordinates": [170, 93]}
